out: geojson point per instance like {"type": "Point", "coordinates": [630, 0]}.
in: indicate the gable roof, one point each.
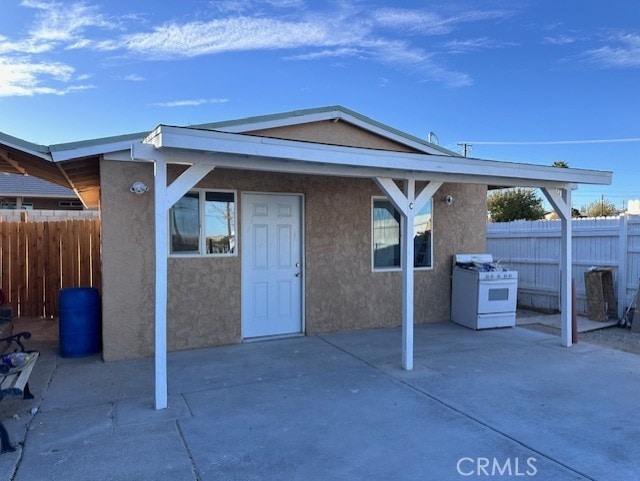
{"type": "Point", "coordinates": [86, 148]}
{"type": "Point", "coordinates": [75, 164]}
{"type": "Point", "coordinates": [334, 112]}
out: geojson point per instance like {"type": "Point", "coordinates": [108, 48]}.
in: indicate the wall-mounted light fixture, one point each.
{"type": "Point", "coordinates": [139, 188]}
{"type": "Point", "coordinates": [449, 200]}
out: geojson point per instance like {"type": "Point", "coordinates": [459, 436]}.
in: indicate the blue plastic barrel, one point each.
{"type": "Point", "coordinates": [79, 321]}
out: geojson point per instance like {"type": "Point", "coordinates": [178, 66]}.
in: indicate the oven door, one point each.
{"type": "Point", "coordinates": [497, 295]}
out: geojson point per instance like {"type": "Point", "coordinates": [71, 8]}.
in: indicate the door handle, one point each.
{"type": "Point", "coordinates": [298, 274]}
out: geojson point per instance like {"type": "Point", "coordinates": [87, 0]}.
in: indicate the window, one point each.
{"type": "Point", "coordinates": [204, 223]}
{"type": "Point", "coordinates": [387, 241]}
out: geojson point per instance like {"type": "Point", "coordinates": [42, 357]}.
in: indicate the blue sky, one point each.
{"type": "Point", "coordinates": [525, 72]}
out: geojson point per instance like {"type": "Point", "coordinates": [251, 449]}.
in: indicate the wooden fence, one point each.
{"type": "Point", "coordinates": [533, 249]}
{"type": "Point", "coordinates": [40, 258]}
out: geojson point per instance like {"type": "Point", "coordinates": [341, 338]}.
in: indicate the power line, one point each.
{"type": "Point", "coordinates": [551, 142]}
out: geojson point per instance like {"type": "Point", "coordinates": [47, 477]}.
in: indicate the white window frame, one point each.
{"type": "Point", "coordinates": [202, 247]}
{"type": "Point", "coordinates": [399, 268]}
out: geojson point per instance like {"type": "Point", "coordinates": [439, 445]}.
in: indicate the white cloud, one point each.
{"type": "Point", "coordinates": [254, 6]}
{"type": "Point", "coordinates": [559, 40]}
{"type": "Point", "coordinates": [64, 21]}
{"type": "Point", "coordinates": [475, 45]}
{"type": "Point", "coordinates": [226, 35]}
{"type": "Point", "coordinates": [624, 52]}
{"type": "Point", "coordinates": [57, 24]}
{"type": "Point", "coordinates": [24, 78]}
{"type": "Point", "coordinates": [430, 23]}
{"type": "Point", "coordinates": [349, 30]}
{"type": "Point", "coordinates": [133, 78]}
{"type": "Point", "coordinates": [190, 102]}
{"type": "Point", "coordinates": [328, 53]}
{"type": "Point", "coordinates": [413, 20]}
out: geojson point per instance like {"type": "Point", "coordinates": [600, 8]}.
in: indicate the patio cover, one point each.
{"type": "Point", "coordinates": [204, 150]}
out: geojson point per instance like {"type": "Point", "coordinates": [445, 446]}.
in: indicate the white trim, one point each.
{"type": "Point", "coordinates": [190, 177]}
{"type": "Point", "coordinates": [161, 285]}
{"type": "Point", "coordinates": [281, 122]}
{"type": "Point", "coordinates": [336, 158]}
{"type": "Point", "coordinates": [329, 115]}
{"type": "Point", "coordinates": [623, 240]}
{"type": "Point", "coordinates": [8, 143]}
{"type": "Point", "coordinates": [94, 149]}
{"type": "Point", "coordinates": [407, 255]}
{"type": "Point", "coordinates": [264, 164]}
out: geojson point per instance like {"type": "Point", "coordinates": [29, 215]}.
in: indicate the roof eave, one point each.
{"type": "Point", "coordinates": [35, 150]}
{"type": "Point", "coordinates": [206, 141]}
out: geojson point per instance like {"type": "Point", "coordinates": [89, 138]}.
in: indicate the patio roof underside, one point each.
{"type": "Point", "coordinates": [80, 175]}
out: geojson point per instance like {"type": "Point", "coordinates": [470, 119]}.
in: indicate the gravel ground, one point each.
{"type": "Point", "coordinates": [620, 338]}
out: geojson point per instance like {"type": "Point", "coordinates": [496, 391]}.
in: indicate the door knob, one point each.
{"type": "Point", "coordinates": [297, 274]}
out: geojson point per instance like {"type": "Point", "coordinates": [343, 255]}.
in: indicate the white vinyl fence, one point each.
{"type": "Point", "coordinates": [533, 249]}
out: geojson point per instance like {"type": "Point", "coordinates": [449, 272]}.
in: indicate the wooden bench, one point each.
{"type": "Point", "coordinates": [14, 381]}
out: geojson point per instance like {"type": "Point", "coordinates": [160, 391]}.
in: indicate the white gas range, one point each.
{"type": "Point", "coordinates": [483, 293]}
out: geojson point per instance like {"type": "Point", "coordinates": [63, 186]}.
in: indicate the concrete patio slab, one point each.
{"type": "Point", "coordinates": [493, 404]}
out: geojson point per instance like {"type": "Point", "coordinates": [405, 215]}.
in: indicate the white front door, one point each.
{"type": "Point", "coordinates": [271, 265]}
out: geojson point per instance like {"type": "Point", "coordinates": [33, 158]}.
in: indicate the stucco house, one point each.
{"type": "Point", "coordinates": [296, 223]}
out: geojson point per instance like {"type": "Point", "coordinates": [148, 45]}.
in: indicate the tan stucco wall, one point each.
{"type": "Point", "coordinates": [127, 261]}
{"type": "Point", "coordinates": [341, 291]}
{"type": "Point", "coordinates": [334, 133]}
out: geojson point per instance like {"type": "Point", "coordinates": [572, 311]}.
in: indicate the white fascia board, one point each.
{"type": "Point", "coordinates": [388, 134]}
{"type": "Point", "coordinates": [282, 122]}
{"type": "Point", "coordinates": [266, 164]}
{"type": "Point", "coordinates": [329, 115]}
{"type": "Point", "coordinates": [91, 150]}
{"type": "Point", "coordinates": [499, 172]}
{"type": "Point", "coordinates": [21, 148]}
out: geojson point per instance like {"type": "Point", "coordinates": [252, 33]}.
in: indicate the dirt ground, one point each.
{"type": "Point", "coordinates": [620, 338]}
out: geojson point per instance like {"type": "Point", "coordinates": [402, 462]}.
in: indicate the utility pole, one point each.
{"type": "Point", "coordinates": [464, 146]}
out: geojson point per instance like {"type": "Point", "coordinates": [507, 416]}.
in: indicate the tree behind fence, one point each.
{"type": "Point", "coordinates": [40, 258]}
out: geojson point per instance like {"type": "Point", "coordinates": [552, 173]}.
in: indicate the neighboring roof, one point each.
{"type": "Point", "coordinates": [16, 185]}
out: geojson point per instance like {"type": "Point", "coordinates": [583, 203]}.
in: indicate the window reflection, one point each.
{"type": "Point", "coordinates": [219, 221]}
{"type": "Point", "coordinates": [213, 210]}
{"type": "Point", "coordinates": [386, 236]}
{"type": "Point", "coordinates": [185, 222]}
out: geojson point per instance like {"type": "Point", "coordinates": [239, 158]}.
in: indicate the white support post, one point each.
{"type": "Point", "coordinates": [567, 269]}
{"type": "Point", "coordinates": [561, 202]}
{"type": "Point", "coordinates": [160, 339]}
{"type": "Point", "coordinates": [409, 205]}
{"type": "Point", "coordinates": [164, 198]}
{"type": "Point", "coordinates": [407, 276]}
{"type": "Point", "coordinates": [623, 233]}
